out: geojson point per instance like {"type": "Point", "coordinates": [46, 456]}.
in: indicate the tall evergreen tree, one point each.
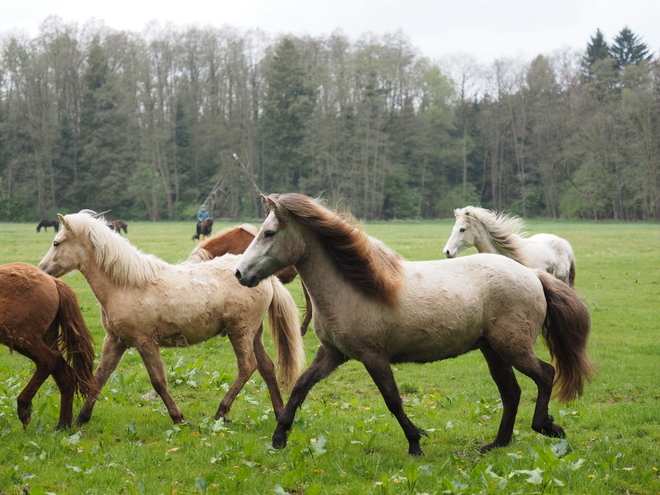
{"type": "Point", "coordinates": [628, 49]}
{"type": "Point", "coordinates": [287, 107]}
{"type": "Point", "coordinates": [597, 50]}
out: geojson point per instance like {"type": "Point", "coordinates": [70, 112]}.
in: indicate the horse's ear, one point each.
{"type": "Point", "coordinates": [62, 220]}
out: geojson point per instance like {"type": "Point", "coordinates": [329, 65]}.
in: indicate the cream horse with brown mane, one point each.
{"type": "Point", "coordinates": [146, 303]}
{"type": "Point", "coordinates": [499, 233]}
{"type": "Point", "coordinates": [373, 306]}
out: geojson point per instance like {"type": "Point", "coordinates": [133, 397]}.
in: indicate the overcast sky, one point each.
{"type": "Point", "coordinates": [485, 29]}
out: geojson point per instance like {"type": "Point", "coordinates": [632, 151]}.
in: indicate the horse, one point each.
{"type": "Point", "coordinates": [40, 319]}
{"type": "Point", "coordinates": [498, 233]}
{"type": "Point", "coordinates": [373, 306]}
{"type": "Point", "coordinates": [203, 229]}
{"type": "Point", "coordinates": [48, 223]}
{"type": "Point", "coordinates": [235, 240]}
{"type": "Point", "coordinates": [117, 226]}
{"type": "Point", "coordinates": [146, 303]}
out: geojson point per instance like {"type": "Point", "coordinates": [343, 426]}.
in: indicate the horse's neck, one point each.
{"type": "Point", "coordinates": [323, 281]}
{"type": "Point", "coordinates": [484, 244]}
{"type": "Point", "coordinates": [99, 281]}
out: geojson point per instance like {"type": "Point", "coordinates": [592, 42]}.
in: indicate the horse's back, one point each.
{"type": "Point", "coordinates": [448, 306]}
{"type": "Point", "coordinates": [552, 254]}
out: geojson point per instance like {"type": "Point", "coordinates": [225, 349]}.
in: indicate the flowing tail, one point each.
{"type": "Point", "coordinates": [75, 342]}
{"type": "Point", "coordinates": [285, 328]}
{"type": "Point", "coordinates": [566, 331]}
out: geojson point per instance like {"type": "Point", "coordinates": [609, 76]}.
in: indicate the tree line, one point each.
{"type": "Point", "coordinates": [151, 125]}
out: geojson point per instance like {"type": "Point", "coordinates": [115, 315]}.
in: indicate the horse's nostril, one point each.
{"type": "Point", "coordinates": [237, 274]}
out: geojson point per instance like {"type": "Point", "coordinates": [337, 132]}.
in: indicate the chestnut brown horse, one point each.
{"type": "Point", "coordinates": [40, 319]}
{"type": "Point", "coordinates": [235, 240]}
{"type": "Point", "coordinates": [373, 306]}
{"type": "Point", "coordinates": [48, 223]}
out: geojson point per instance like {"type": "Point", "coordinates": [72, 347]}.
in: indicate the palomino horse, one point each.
{"type": "Point", "coordinates": [373, 306]}
{"type": "Point", "coordinates": [235, 241]}
{"type": "Point", "coordinates": [40, 319]}
{"type": "Point", "coordinates": [48, 223]}
{"type": "Point", "coordinates": [146, 303]}
{"type": "Point", "coordinates": [203, 229]}
{"type": "Point", "coordinates": [499, 234]}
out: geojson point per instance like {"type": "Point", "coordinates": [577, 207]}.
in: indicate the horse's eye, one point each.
{"type": "Point", "coordinates": [462, 230]}
{"type": "Point", "coordinates": [56, 243]}
{"type": "Point", "coordinates": [269, 233]}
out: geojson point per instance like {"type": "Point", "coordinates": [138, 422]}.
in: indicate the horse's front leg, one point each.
{"type": "Point", "coordinates": [379, 368]}
{"type": "Point", "coordinates": [327, 360]}
{"type": "Point", "coordinates": [150, 355]}
{"type": "Point", "coordinates": [113, 351]}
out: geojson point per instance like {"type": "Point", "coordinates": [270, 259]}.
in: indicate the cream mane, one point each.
{"type": "Point", "coordinates": [503, 230]}
{"type": "Point", "coordinates": [125, 264]}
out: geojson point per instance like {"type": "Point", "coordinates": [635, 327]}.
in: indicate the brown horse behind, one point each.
{"type": "Point", "coordinates": [40, 319]}
{"type": "Point", "coordinates": [203, 229]}
{"type": "Point", "coordinates": [48, 223]}
{"type": "Point", "coordinates": [118, 226]}
{"type": "Point", "coordinates": [235, 240]}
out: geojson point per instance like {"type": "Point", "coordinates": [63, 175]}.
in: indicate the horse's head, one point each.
{"type": "Point", "coordinates": [64, 254]}
{"type": "Point", "coordinates": [462, 235]}
{"type": "Point", "coordinates": [278, 244]}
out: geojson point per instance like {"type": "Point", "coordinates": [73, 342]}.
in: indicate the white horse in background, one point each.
{"type": "Point", "coordinates": [498, 233]}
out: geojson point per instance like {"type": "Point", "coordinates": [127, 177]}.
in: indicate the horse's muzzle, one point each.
{"type": "Point", "coordinates": [246, 281]}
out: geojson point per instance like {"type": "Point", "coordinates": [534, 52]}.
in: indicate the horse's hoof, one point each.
{"type": "Point", "coordinates": [279, 442]}
{"type": "Point", "coordinates": [416, 451]}
{"type": "Point", "coordinates": [552, 431]}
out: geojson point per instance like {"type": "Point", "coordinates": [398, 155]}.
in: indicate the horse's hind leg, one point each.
{"type": "Point", "coordinates": [24, 399]}
{"type": "Point", "coordinates": [113, 351]}
{"type": "Point", "coordinates": [267, 372]}
{"type": "Point", "coordinates": [327, 360]}
{"type": "Point", "coordinates": [543, 375]}
{"type": "Point", "coordinates": [150, 355]}
{"type": "Point", "coordinates": [247, 364]}
{"type": "Point", "coordinates": [506, 382]}
{"type": "Point", "coordinates": [63, 376]}
{"type": "Point", "coordinates": [381, 372]}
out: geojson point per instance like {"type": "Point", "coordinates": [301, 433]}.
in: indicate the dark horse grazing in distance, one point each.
{"type": "Point", "coordinates": [117, 226]}
{"type": "Point", "coordinates": [203, 228]}
{"type": "Point", "coordinates": [40, 319]}
{"type": "Point", "coordinates": [373, 306]}
{"type": "Point", "coordinates": [48, 223]}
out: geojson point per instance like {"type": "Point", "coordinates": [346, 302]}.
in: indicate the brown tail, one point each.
{"type": "Point", "coordinates": [566, 331]}
{"type": "Point", "coordinates": [285, 328]}
{"type": "Point", "coordinates": [75, 342]}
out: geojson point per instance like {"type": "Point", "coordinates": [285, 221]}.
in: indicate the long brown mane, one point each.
{"type": "Point", "coordinates": [364, 261]}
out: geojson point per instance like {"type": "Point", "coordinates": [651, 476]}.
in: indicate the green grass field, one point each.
{"type": "Point", "coordinates": [344, 440]}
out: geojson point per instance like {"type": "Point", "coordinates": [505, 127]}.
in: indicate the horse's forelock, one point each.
{"type": "Point", "coordinates": [368, 263]}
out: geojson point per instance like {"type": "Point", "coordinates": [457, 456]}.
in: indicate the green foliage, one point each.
{"type": "Point", "coordinates": [147, 125]}
{"type": "Point", "coordinates": [628, 49]}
